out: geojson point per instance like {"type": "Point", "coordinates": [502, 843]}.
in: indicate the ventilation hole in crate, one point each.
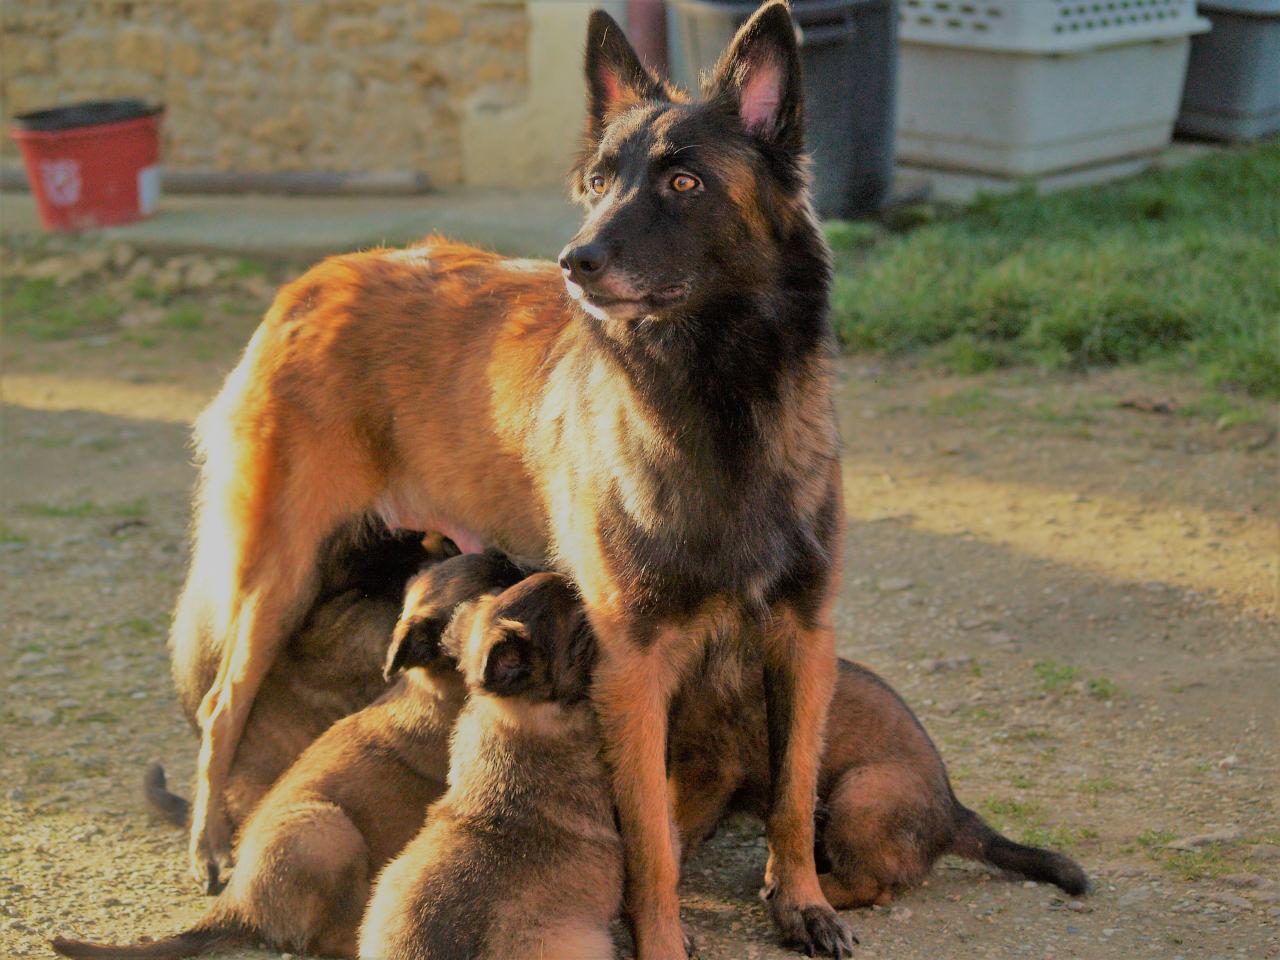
{"type": "Point", "coordinates": [980, 26]}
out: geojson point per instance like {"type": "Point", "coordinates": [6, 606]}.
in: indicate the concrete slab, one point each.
{"type": "Point", "coordinates": [534, 224]}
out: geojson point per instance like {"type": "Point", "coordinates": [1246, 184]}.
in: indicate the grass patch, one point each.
{"type": "Point", "coordinates": [85, 509]}
{"type": "Point", "coordinates": [43, 311]}
{"type": "Point", "coordinates": [1154, 839]}
{"type": "Point", "coordinates": [249, 268]}
{"type": "Point", "coordinates": [185, 317]}
{"type": "Point", "coordinates": [1100, 688]}
{"type": "Point", "coordinates": [10, 535]}
{"type": "Point", "coordinates": [961, 403]}
{"type": "Point", "coordinates": [1100, 785]}
{"type": "Point", "coordinates": [1176, 263]}
{"type": "Point", "coordinates": [1054, 677]}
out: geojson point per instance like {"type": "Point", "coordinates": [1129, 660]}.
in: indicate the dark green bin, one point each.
{"type": "Point", "coordinates": [849, 50]}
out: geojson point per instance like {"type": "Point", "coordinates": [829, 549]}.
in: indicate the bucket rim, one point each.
{"type": "Point", "coordinates": [70, 117]}
{"type": "Point", "coordinates": [96, 131]}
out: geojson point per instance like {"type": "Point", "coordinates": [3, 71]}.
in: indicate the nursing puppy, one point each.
{"type": "Point", "coordinates": [521, 859]}
{"type": "Point", "coordinates": [354, 798]}
{"type": "Point", "coordinates": [331, 666]}
{"type": "Point", "coordinates": [886, 807]}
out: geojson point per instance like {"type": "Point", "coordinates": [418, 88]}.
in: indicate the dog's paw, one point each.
{"type": "Point", "coordinates": [815, 929]}
{"type": "Point", "coordinates": [210, 850]}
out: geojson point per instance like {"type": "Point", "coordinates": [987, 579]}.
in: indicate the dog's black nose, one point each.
{"type": "Point", "coordinates": [585, 262]}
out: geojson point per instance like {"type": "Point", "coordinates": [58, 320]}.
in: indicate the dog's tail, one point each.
{"type": "Point", "coordinates": [190, 943]}
{"type": "Point", "coordinates": [171, 807]}
{"type": "Point", "coordinates": [977, 841]}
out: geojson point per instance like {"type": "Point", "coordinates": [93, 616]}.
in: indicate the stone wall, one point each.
{"type": "Point", "coordinates": [282, 85]}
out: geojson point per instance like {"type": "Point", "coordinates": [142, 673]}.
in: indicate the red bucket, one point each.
{"type": "Point", "coordinates": [92, 164]}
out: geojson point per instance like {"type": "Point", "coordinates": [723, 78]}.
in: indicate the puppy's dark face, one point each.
{"type": "Point", "coordinates": [531, 641]}
{"type": "Point", "coordinates": [685, 200]}
{"type": "Point", "coordinates": [425, 635]}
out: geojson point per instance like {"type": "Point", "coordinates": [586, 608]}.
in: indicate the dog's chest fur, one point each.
{"type": "Point", "coordinates": [690, 470]}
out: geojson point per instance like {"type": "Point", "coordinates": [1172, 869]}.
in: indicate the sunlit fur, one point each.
{"type": "Point", "coordinates": [681, 466]}
{"type": "Point", "coordinates": [309, 852]}
{"type": "Point", "coordinates": [520, 859]}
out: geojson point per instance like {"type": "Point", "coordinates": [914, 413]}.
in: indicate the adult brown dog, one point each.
{"type": "Point", "coordinates": [309, 851]}
{"type": "Point", "coordinates": [665, 435]}
{"type": "Point", "coordinates": [520, 859]}
{"type": "Point", "coordinates": [887, 810]}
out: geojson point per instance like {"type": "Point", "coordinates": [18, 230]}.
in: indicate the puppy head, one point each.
{"type": "Point", "coordinates": [531, 641]}
{"type": "Point", "coordinates": [422, 636]}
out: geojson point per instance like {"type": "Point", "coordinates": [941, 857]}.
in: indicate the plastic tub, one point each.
{"type": "Point", "coordinates": [1233, 78]}
{"type": "Point", "coordinates": [92, 164]}
{"type": "Point", "coordinates": [848, 51]}
{"type": "Point", "coordinates": [1017, 88]}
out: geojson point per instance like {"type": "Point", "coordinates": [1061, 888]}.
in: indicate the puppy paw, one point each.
{"type": "Point", "coordinates": [813, 928]}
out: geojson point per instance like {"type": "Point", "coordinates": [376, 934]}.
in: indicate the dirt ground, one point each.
{"type": "Point", "coordinates": [1076, 591]}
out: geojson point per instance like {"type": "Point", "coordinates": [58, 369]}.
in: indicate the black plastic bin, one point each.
{"type": "Point", "coordinates": [849, 49]}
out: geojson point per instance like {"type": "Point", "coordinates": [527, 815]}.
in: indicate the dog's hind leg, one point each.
{"type": "Point", "coordinates": [273, 491]}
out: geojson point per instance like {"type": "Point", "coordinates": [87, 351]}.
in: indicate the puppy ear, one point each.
{"type": "Point", "coordinates": [616, 79]}
{"type": "Point", "coordinates": [508, 666]}
{"type": "Point", "coordinates": [759, 77]}
{"type": "Point", "coordinates": [414, 643]}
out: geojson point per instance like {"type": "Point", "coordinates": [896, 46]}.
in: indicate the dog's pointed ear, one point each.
{"type": "Point", "coordinates": [758, 76]}
{"type": "Point", "coordinates": [414, 643]}
{"type": "Point", "coordinates": [508, 663]}
{"type": "Point", "coordinates": [616, 79]}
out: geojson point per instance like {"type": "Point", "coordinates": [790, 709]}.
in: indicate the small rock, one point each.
{"type": "Point", "coordinates": [93, 259]}
{"type": "Point", "coordinates": [143, 315]}
{"type": "Point", "coordinates": [1134, 897]}
{"type": "Point", "coordinates": [1226, 763]}
{"type": "Point", "coordinates": [1231, 900]}
{"type": "Point", "coordinates": [141, 269]}
{"type": "Point", "coordinates": [42, 716]}
{"type": "Point", "coordinates": [900, 914]}
{"type": "Point", "coordinates": [1109, 931]}
{"type": "Point", "coordinates": [122, 254]}
{"type": "Point", "coordinates": [30, 659]}
{"type": "Point", "coordinates": [1200, 840]}
{"type": "Point", "coordinates": [53, 268]}
{"type": "Point", "coordinates": [1243, 880]}
{"type": "Point", "coordinates": [946, 663]}
{"type": "Point", "coordinates": [199, 275]}
{"type": "Point", "coordinates": [1077, 906]}
{"type": "Point", "coordinates": [894, 585]}
{"type": "Point", "coordinates": [1000, 639]}
{"type": "Point", "coordinates": [18, 795]}
{"type": "Point", "coordinates": [1265, 851]}
{"type": "Point", "coordinates": [973, 623]}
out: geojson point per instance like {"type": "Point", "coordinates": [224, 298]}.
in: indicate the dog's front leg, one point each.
{"type": "Point", "coordinates": [799, 677]}
{"type": "Point", "coordinates": [634, 683]}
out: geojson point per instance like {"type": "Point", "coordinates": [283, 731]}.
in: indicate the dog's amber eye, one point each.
{"type": "Point", "coordinates": [683, 183]}
{"type": "Point", "coordinates": [597, 185]}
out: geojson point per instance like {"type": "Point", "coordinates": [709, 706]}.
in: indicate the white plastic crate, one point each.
{"type": "Point", "coordinates": [1044, 26]}
{"type": "Point", "coordinates": [1018, 88]}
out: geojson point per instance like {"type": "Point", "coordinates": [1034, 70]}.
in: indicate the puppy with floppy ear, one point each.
{"type": "Point", "coordinates": [331, 666]}
{"type": "Point", "coordinates": [520, 859]}
{"type": "Point", "coordinates": [353, 799]}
